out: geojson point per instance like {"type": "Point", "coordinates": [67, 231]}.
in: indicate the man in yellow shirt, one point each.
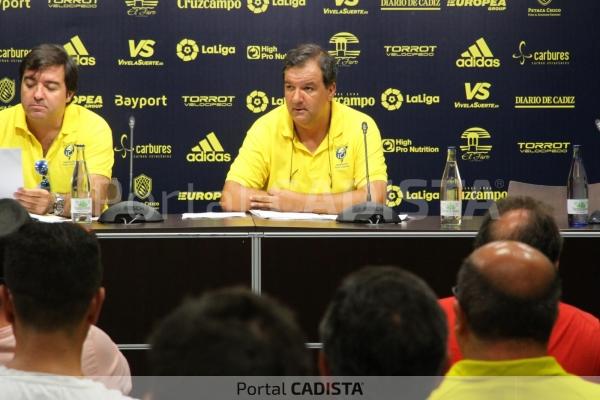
{"type": "Point", "coordinates": [307, 155]}
{"type": "Point", "coordinates": [46, 126]}
{"type": "Point", "coordinates": [507, 301]}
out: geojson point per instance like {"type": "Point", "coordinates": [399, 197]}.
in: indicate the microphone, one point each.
{"type": "Point", "coordinates": [369, 211]}
{"type": "Point", "coordinates": [131, 151]}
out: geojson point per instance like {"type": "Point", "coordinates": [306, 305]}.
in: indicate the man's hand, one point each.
{"type": "Point", "coordinates": [279, 200]}
{"type": "Point", "coordinates": [36, 201]}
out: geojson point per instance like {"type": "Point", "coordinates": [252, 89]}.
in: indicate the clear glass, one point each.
{"type": "Point", "coordinates": [577, 191]}
{"type": "Point", "coordinates": [451, 192]}
{"type": "Point", "coordinates": [81, 194]}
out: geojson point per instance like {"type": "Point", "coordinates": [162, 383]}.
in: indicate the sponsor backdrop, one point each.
{"type": "Point", "coordinates": [512, 83]}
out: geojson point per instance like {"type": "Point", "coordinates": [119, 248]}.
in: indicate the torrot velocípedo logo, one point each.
{"type": "Point", "coordinates": [72, 3]}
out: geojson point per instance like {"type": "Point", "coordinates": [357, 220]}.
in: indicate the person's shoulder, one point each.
{"type": "Point", "coordinates": [574, 314]}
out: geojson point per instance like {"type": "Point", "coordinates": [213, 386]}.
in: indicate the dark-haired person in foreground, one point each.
{"type": "Point", "coordinates": [51, 296]}
{"type": "Point", "coordinates": [229, 332]}
{"type": "Point", "coordinates": [101, 360]}
{"type": "Point", "coordinates": [507, 301]}
{"type": "Point", "coordinates": [46, 125]}
{"type": "Point", "coordinates": [383, 321]}
{"type": "Point", "coordinates": [575, 338]}
{"type": "Point", "coordinates": [307, 155]}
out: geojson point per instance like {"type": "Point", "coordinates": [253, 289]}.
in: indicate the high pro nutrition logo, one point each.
{"type": "Point", "coordinates": [411, 5]}
{"type": "Point", "coordinates": [76, 49]}
{"type": "Point", "coordinates": [392, 99]}
{"type": "Point", "coordinates": [14, 4]}
{"type": "Point", "coordinates": [491, 5]}
{"type": "Point", "coordinates": [405, 145]}
{"type": "Point", "coordinates": [478, 55]}
{"type": "Point", "coordinates": [344, 7]}
{"type": "Point", "coordinates": [141, 8]}
{"type": "Point", "coordinates": [474, 147]}
{"type": "Point", "coordinates": [72, 3]}
{"type": "Point", "coordinates": [258, 52]}
{"type": "Point", "coordinates": [345, 48]}
{"type": "Point", "coordinates": [208, 150]}
{"type": "Point", "coordinates": [541, 57]}
{"type": "Point", "coordinates": [261, 6]}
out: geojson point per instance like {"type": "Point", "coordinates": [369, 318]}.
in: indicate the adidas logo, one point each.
{"type": "Point", "coordinates": [478, 55]}
{"type": "Point", "coordinates": [208, 150]}
{"type": "Point", "coordinates": [77, 50]}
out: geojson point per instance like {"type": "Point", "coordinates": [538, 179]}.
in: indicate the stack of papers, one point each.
{"type": "Point", "coordinates": [212, 215]}
{"type": "Point", "coordinates": [292, 216]}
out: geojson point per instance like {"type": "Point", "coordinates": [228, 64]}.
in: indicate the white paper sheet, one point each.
{"type": "Point", "coordinates": [291, 216]}
{"type": "Point", "coordinates": [11, 173]}
{"type": "Point", "coordinates": [212, 215]}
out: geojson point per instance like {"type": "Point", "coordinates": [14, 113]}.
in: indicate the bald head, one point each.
{"type": "Point", "coordinates": [523, 219]}
{"type": "Point", "coordinates": [509, 291]}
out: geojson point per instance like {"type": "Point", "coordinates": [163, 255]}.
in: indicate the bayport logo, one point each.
{"type": "Point", "coordinates": [89, 101]}
{"type": "Point", "coordinates": [473, 150]}
{"type": "Point", "coordinates": [478, 55]}
{"type": "Point", "coordinates": [72, 3]}
{"type": "Point", "coordinates": [140, 51]}
{"type": "Point", "coordinates": [226, 5]}
{"type": "Point", "coordinates": [8, 89]}
{"type": "Point", "coordinates": [346, 49]}
{"type": "Point", "coordinates": [140, 102]}
{"type": "Point", "coordinates": [411, 5]}
{"type": "Point", "coordinates": [402, 145]}
{"type": "Point", "coordinates": [392, 99]}
{"type": "Point", "coordinates": [492, 5]}
{"type": "Point", "coordinates": [141, 8]}
{"type": "Point", "coordinates": [261, 6]}
{"type": "Point", "coordinates": [208, 150]}
{"type": "Point", "coordinates": [76, 49]}
{"type": "Point", "coordinates": [345, 7]}
{"type": "Point", "coordinates": [544, 11]}
{"type": "Point", "coordinates": [14, 4]}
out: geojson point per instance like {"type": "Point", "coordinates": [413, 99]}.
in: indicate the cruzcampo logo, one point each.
{"type": "Point", "coordinates": [142, 186]}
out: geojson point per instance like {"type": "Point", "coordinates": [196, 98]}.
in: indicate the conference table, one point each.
{"type": "Point", "coordinates": [150, 268]}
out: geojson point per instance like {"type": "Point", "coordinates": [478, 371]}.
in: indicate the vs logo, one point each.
{"type": "Point", "coordinates": [144, 48]}
{"type": "Point", "coordinates": [348, 3]}
{"type": "Point", "coordinates": [480, 91]}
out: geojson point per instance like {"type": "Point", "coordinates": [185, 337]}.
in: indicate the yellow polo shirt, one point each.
{"type": "Point", "coordinates": [80, 126]}
{"type": "Point", "coordinates": [273, 157]}
{"type": "Point", "coordinates": [526, 379]}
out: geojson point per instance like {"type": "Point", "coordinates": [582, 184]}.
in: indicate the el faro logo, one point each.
{"type": "Point", "coordinates": [77, 50]}
{"type": "Point", "coordinates": [208, 150]}
{"type": "Point", "coordinates": [473, 150]}
{"type": "Point", "coordinates": [478, 55]}
{"type": "Point", "coordinates": [345, 49]}
{"type": "Point", "coordinates": [141, 8]}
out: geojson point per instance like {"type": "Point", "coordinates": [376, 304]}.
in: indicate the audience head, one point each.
{"type": "Point", "coordinates": [229, 332]}
{"type": "Point", "coordinates": [526, 220]}
{"type": "Point", "coordinates": [12, 216]}
{"type": "Point", "coordinates": [298, 56]}
{"type": "Point", "coordinates": [507, 291]}
{"type": "Point", "coordinates": [383, 321]}
{"type": "Point", "coordinates": [53, 276]}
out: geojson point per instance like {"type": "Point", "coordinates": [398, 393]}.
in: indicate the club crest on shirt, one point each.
{"type": "Point", "coordinates": [340, 153]}
{"type": "Point", "coordinates": [69, 150]}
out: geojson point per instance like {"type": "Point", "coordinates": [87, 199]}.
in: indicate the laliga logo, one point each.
{"type": "Point", "coordinates": [187, 50]}
{"type": "Point", "coordinates": [391, 99]}
{"type": "Point", "coordinates": [257, 101]}
{"type": "Point", "coordinates": [258, 6]}
{"type": "Point", "coordinates": [394, 196]}
{"type": "Point", "coordinates": [7, 90]}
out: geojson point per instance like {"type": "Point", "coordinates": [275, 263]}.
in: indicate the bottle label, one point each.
{"type": "Point", "coordinates": [81, 205]}
{"type": "Point", "coordinates": [450, 208]}
{"type": "Point", "coordinates": [577, 206]}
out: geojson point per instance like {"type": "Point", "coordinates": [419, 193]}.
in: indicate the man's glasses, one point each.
{"type": "Point", "coordinates": [41, 167]}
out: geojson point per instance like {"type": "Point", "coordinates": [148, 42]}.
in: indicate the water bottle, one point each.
{"type": "Point", "coordinates": [577, 191]}
{"type": "Point", "coordinates": [81, 192]}
{"type": "Point", "coordinates": [451, 192]}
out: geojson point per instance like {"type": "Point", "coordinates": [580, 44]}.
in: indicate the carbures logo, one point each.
{"type": "Point", "coordinates": [257, 101]}
{"type": "Point", "coordinates": [187, 50]}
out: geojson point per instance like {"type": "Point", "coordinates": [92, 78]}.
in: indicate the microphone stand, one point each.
{"type": "Point", "coordinates": [369, 211]}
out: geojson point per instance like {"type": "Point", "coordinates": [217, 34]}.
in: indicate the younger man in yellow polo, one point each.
{"type": "Point", "coordinates": [307, 155]}
{"type": "Point", "coordinates": [46, 127]}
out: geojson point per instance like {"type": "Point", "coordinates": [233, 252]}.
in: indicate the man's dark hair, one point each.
{"type": "Point", "coordinates": [298, 56]}
{"type": "Point", "coordinates": [538, 229]}
{"type": "Point", "coordinates": [493, 314]}
{"type": "Point", "coordinates": [384, 321]}
{"type": "Point", "coordinates": [52, 272]}
{"type": "Point", "coordinates": [229, 332]}
{"type": "Point", "coordinates": [49, 55]}
{"type": "Point", "coordinates": [12, 216]}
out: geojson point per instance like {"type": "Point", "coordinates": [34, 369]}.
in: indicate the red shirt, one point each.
{"type": "Point", "coordinates": [574, 341]}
